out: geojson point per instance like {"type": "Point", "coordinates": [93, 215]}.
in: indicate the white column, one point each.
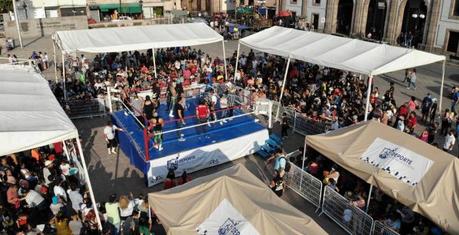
{"type": "Point", "coordinates": [16, 18]}
{"type": "Point", "coordinates": [154, 61]}
{"type": "Point", "coordinates": [237, 60]}
{"type": "Point", "coordinates": [367, 105]}
{"type": "Point", "coordinates": [443, 70]}
{"type": "Point", "coordinates": [282, 89]}
{"type": "Point", "coordinates": [91, 192]}
{"type": "Point", "coordinates": [224, 58]}
{"type": "Point", "coordinates": [55, 61]}
{"type": "Point", "coordinates": [63, 76]}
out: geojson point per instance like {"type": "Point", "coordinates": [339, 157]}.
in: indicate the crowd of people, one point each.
{"type": "Point", "coordinates": [43, 192]}
{"type": "Point", "coordinates": [320, 95]}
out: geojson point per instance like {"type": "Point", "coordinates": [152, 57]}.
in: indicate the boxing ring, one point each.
{"type": "Point", "coordinates": [240, 135]}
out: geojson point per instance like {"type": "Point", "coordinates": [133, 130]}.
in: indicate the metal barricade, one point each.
{"type": "Point", "coordinates": [382, 229]}
{"type": "Point", "coordinates": [77, 109]}
{"type": "Point", "coordinates": [306, 126]}
{"type": "Point", "coordinates": [305, 185]}
{"type": "Point", "coordinates": [352, 219]}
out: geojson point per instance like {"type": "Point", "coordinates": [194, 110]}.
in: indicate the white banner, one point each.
{"type": "Point", "coordinates": [226, 220]}
{"type": "Point", "coordinates": [205, 156]}
{"type": "Point", "coordinates": [401, 163]}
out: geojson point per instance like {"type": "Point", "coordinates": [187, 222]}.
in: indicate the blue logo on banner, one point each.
{"type": "Point", "coordinates": [392, 153]}
{"type": "Point", "coordinates": [229, 228]}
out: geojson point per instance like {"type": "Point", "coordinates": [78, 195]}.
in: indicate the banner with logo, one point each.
{"type": "Point", "coordinates": [400, 162]}
{"type": "Point", "coordinates": [206, 156]}
{"type": "Point", "coordinates": [226, 220]}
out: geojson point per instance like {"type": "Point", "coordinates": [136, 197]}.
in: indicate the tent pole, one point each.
{"type": "Point", "coordinates": [154, 62]}
{"type": "Point", "coordinates": [55, 61]}
{"type": "Point", "coordinates": [66, 151]}
{"type": "Point", "coordinates": [443, 69]}
{"type": "Point", "coordinates": [282, 89]}
{"type": "Point", "coordinates": [224, 58]}
{"type": "Point", "coordinates": [91, 192]}
{"type": "Point", "coordinates": [367, 105]}
{"type": "Point", "coordinates": [237, 61]}
{"type": "Point", "coordinates": [304, 155]}
{"type": "Point", "coordinates": [302, 164]}
{"type": "Point", "coordinates": [63, 76]}
{"type": "Point", "coordinates": [369, 197]}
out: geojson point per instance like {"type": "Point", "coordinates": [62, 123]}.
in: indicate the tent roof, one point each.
{"type": "Point", "coordinates": [435, 194]}
{"type": "Point", "coordinates": [135, 38]}
{"type": "Point", "coordinates": [185, 208]}
{"type": "Point", "coordinates": [30, 115]}
{"type": "Point", "coordinates": [347, 54]}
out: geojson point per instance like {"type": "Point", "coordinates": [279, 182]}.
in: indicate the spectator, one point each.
{"type": "Point", "coordinates": [61, 224]}
{"type": "Point", "coordinates": [277, 184]}
{"type": "Point", "coordinates": [284, 126]}
{"type": "Point", "coordinates": [75, 225]}
{"type": "Point", "coordinates": [280, 162]}
{"type": "Point", "coordinates": [113, 215]}
{"type": "Point", "coordinates": [450, 140]}
{"type": "Point", "coordinates": [425, 107]}
{"type": "Point", "coordinates": [412, 80]}
{"type": "Point", "coordinates": [446, 121]}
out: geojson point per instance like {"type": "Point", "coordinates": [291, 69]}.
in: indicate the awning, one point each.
{"type": "Point", "coordinates": [231, 201]}
{"type": "Point", "coordinates": [413, 172]}
{"type": "Point", "coordinates": [30, 115]}
{"type": "Point", "coordinates": [285, 13]}
{"type": "Point", "coordinates": [125, 8]}
{"type": "Point", "coordinates": [347, 54]}
{"type": "Point", "coordinates": [135, 38]}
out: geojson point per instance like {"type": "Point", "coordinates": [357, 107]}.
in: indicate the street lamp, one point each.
{"type": "Point", "coordinates": [141, 9]}
{"type": "Point", "coordinates": [24, 5]}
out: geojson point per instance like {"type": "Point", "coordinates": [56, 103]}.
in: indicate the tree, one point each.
{"type": "Point", "coordinates": [6, 6]}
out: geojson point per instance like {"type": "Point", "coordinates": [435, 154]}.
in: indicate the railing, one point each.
{"type": "Point", "coordinates": [78, 109]}
{"type": "Point", "coordinates": [306, 126]}
{"type": "Point", "coordinates": [305, 185]}
{"type": "Point", "coordinates": [352, 219]}
{"type": "Point", "coordinates": [382, 229]}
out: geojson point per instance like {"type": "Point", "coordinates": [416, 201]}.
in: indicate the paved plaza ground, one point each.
{"type": "Point", "coordinates": [113, 174]}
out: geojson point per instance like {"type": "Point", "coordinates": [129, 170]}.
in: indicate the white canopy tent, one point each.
{"type": "Point", "coordinates": [136, 38]}
{"type": "Point", "coordinates": [30, 115]}
{"type": "Point", "coordinates": [365, 58]}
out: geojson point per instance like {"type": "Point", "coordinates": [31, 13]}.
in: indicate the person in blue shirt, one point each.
{"type": "Point", "coordinates": [279, 162]}
{"type": "Point", "coordinates": [454, 99]}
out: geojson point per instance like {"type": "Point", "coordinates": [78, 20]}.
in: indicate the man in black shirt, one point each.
{"type": "Point", "coordinates": [179, 114]}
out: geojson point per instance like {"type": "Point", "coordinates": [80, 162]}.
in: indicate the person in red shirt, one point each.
{"type": "Point", "coordinates": [412, 120]}
{"type": "Point", "coordinates": [403, 111]}
{"type": "Point", "coordinates": [202, 114]}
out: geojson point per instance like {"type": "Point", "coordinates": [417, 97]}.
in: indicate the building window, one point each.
{"type": "Point", "coordinates": [453, 42]}
{"type": "Point", "coordinates": [316, 2]}
{"type": "Point", "coordinates": [455, 8]}
{"type": "Point", "coordinates": [293, 1]}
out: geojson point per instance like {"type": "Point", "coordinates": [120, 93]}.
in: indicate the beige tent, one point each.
{"type": "Point", "coordinates": [413, 172]}
{"type": "Point", "coordinates": [232, 201]}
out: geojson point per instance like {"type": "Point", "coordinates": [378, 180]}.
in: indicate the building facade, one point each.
{"type": "Point", "coordinates": [314, 11]}
{"type": "Point", "coordinates": [404, 22]}
{"type": "Point", "coordinates": [38, 9]}
{"type": "Point", "coordinates": [447, 35]}
{"type": "Point", "coordinates": [104, 9]}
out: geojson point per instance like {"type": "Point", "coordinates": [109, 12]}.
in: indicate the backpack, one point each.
{"type": "Point", "coordinates": [287, 164]}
